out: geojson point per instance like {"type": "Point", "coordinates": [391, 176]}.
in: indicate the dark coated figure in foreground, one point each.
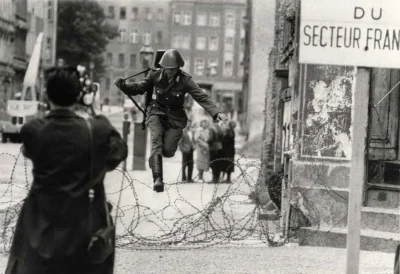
{"type": "Point", "coordinates": [58, 218]}
{"type": "Point", "coordinates": [166, 116]}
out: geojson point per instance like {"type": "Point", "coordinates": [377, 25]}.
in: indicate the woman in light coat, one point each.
{"type": "Point", "coordinates": [202, 149]}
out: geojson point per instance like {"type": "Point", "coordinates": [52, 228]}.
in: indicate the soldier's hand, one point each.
{"type": "Point", "coordinates": [221, 117]}
{"type": "Point", "coordinates": [119, 83]}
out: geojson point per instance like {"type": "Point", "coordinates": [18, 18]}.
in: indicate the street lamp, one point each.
{"type": "Point", "coordinates": [91, 67]}
{"type": "Point", "coordinates": [146, 56]}
{"type": "Point", "coordinates": [139, 135]}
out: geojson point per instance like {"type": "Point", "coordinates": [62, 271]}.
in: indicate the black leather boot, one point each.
{"type": "Point", "coordinates": [157, 169]}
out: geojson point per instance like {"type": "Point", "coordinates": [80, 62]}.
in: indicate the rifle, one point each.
{"type": "Point", "coordinates": [149, 94]}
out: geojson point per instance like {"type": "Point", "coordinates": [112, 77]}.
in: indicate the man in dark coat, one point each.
{"type": "Point", "coordinates": [166, 117]}
{"type": "Point", "coordinates": [54, 225]}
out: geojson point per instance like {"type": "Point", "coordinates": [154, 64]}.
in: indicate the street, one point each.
{"type": "Point", "coordinates": [189, 228]}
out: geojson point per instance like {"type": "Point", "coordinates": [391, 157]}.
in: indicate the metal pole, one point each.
{"type": "Point", "coordinates": [357, 172]}
{"type": "Point", "coordinates": [125, 132]}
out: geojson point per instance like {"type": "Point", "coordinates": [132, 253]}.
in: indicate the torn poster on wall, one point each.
{"type": "Point", "coordinates": [327, 106]}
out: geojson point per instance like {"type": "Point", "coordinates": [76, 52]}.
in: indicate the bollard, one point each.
{"type": "Point", "coordinates": [125, 131]}
{"type": "Point", "coordinates": [139, 147]}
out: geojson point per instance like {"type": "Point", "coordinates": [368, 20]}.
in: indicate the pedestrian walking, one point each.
{"type": "Point", "coordinates": [58, 218]}
{"type": "Point", "coordinates": [215, 145]}
{"type": "Point", "coordinates": [166, 117]}
{"type": "Point", "coordinates": [228, 150]}
{"type": "Point", "coordinates": [202, 148]}
{"type": "Point", "coordinates": [187, 146]}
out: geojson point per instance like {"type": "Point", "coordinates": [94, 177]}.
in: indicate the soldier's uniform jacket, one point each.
{"type": "Point", "coordinates": [168, 96]}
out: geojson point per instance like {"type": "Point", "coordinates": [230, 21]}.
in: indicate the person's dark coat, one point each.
{"type": "Point", "coordinates": [215, 145]}
{"type": "Point", "coordinates": [54, 228]}
{"type": "Point", "coordinates": [228, 151]}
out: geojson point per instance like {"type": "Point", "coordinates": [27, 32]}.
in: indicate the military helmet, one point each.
{"type": "Point", "coordinates": [171, 59]}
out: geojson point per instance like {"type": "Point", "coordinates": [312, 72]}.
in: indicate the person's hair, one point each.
{"type": "Point", "coordinates": [232, 124]}
{"type": "Point", "coordinates": [63, 85]}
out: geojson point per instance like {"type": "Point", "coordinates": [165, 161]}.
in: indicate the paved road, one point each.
{"type": "Point", "coordinates": [188, 218]}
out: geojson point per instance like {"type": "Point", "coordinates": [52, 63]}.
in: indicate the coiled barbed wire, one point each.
{"type": "Point", "coordinates": [213, 221]}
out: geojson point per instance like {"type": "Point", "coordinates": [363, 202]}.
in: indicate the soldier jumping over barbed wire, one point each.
{"type": "Point", "coordinates": [166, 117]}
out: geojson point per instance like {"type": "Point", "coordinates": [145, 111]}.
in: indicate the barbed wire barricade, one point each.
{"type": "Point", "coordinates": [207, 215]}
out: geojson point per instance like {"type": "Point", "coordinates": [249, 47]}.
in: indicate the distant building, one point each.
{"type": "Point", "coordinates": [7, 32]}
{"type": "Point", "coordinates": [21, 30]}
{"type": "Point", "coordinates": [210, 36]}
{"type": "Point", "coordinates": [42, 17]}
{"type": "Point", "coordinates": [141, 22]}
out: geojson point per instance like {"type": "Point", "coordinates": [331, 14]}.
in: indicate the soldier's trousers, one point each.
{"type": "Point", "coordinates": [164, 137]}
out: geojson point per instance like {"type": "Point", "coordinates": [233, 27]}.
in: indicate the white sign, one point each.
{"type": "Point", "coordinates": [362, 33]}
{"type": "Point", "coordinates": [22, 108]}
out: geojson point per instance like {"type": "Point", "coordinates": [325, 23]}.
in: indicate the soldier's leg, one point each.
{"type": "Point", "coordinates": [155, 124]}
{"type": "Point", "coordinates": [171, 139]}
{"type": "Point", "coordinates": [156, 127]}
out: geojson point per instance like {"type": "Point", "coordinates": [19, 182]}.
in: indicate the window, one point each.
{"type": "Point", "coordinates": [199, 66]}
{"type": "Point", "coordinates": [148, 14]}
{"type": "Point", "coordinates": [201, 19]}
{"type": "Point", "coordinates": [160, 15]}
{"type": "Point", "coordinates": [230, 20]}
{"type": "Point", "coordinates": [228, 64]}
{"type": "Point", "coordinates": [177, 17]}
{"type": "Point", "coordinates": [214, 20]}
{"type": "Point", "coordinates": [133, 61]}
{"type": "Point", "coordinates": [159, 37]}
{"type": "Point", "coordinates": [111, 13]}
{"type": "Point", "coordinates": [147, 37]}
{"type": "Point", "coordinates": [134, 37]}
{"type": "Point", "coordinates": [50, 10]}
{"type": "Point", "coordinates": [201, 42]}
{"type": "Point", "coordinates": [213, 62]}
{"type": "Point", "coordinates": [135, 13]}
{"type": "Point", "coordinates": [228, 68]}
{"type": "Point", "coordinates": [186, 67]}
{"type": "Point", "coordinates": [186, 41]}
{"type": "Point", "coordinates": [121, 60]}
{"type": "Point", "coordinates": [187, 19]}
{"type": "Point", "coordinates": [109, 58]}
{"type": "Point", "coordinates": [176, 41]}
{"type": "Point", "coordinates": [229, 43]}
{"type": "Point", "coordinates": [213, 43]}
{"type": "Point", "coordinates": [241, 63]}
{"type": "Point", "coordinates": [122, 13]}
{"type": "Point", "coordinates": [122, 35]}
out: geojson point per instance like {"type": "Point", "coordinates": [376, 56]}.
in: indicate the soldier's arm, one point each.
{"type": "Point", "coordinates": [140, 87]}
{"type": "Point", "coordinates": [202, 98]}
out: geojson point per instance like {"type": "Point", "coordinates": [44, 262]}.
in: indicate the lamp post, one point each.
{"type": "Point", "coordinates": [139, 135]}
{"type": "Point", "coordinates": [146, 56]}
{"type": "Point", "coordinates": [91, 67]}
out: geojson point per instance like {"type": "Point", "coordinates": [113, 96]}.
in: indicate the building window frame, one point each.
{"type": "Point", "coordinates": [160, 15]}
{"type": "Point", "coordinates": [187, 18]}
{"type": "Point", "coordinates": [148, 14]}
{"type": "Point", "coordinates": [121, 60]}
{"type": "Point", "coordinates": [135, 13]}
{"type": "Point", "coordinates": [201, 45]}
{"type": "Point", "coordinates": [213, 43]}
{"type": "Point", "coordinates": [133, 60]}
{"type": "Point", "coordinates": [214, 19]}
{"type": "Point", "coordinates": [199, 66]}
{"type": "Point", "coordinates": [201, 19]}
{"type": "Point", "coordinates": [122, 13]}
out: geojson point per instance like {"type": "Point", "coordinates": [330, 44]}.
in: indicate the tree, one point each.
{"type": "Point", "coordinates": [83, 34]}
